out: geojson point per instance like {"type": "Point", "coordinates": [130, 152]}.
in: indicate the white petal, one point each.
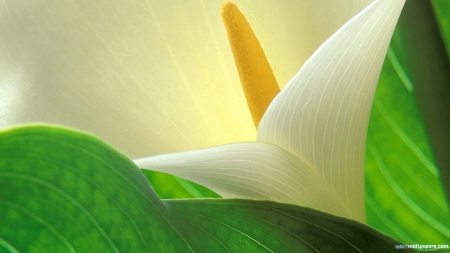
{"type": "Point", "coordinates": [323, 112]}
{"type": "Point", "coordinates": [148, 77]}
{"type": "Point", "coordinates": [251, 170]}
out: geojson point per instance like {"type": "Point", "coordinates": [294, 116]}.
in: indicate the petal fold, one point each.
{"type": "Point", "coordinates": [322, 114]}
{"type": "Point", "coordinates": [251, 170]}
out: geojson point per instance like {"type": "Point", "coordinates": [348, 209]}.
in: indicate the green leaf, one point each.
{"type": "Point", "coordinates": [167, 186]}
{"type": "Point", "coordinates": [442, 8]}
{"type": "Point", "coordinates": [66, 191]}
{"type": "Point", "coordinates": [404, 192]}
{"type": "Point", "coordinates": [404, 195]}
{"type": "Point", "coordinates": [441, 122]}
{"type": "Point", "coordinates": [422, 53]}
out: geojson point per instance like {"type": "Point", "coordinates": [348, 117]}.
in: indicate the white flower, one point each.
{"type": "Point", "coordinates": [149, 77]}
{"type": "Point", "coordinates": [311, 140]}
{"type": "Point", "coordinates": [155, 77]}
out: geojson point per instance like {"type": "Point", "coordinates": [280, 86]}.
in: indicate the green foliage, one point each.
{"type": "Point", "coordinates": [66, 191]}
{"type": "Point", "coordinates": [404, 196]}
{"type": "Point", "coordinates": [442, 9]}
{"type": "Point", "coordinates": [167, 186]}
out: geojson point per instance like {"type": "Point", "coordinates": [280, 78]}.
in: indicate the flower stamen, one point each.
{"type": "Point", "coordinates": [257, 78]}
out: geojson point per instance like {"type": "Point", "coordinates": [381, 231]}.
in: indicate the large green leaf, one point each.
{"type": "Point", "coordinates": [66, 191]}
{"type": "Point", "coordinates": [422, 53]}
{"type": "Point", "coordinates": [404, 193]}
{"type": "Point", "coordinates": [404, 196]}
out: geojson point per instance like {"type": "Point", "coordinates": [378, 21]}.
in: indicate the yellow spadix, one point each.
{"type": "Point", "coordinates": [255, 73]}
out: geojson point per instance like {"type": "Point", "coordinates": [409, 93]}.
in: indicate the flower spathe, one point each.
{"type": "Point", "coordinates": [311, 140]}
{"type": "Point", "coordinates": [148, 77]}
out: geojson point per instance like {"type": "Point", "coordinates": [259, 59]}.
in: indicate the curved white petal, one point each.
{"type": "Point", "coordinates": [137, 73]}
{"type": "Point", "coordinates": [323, 112]}
{"type": "Point", "coordinates": [252, 170]}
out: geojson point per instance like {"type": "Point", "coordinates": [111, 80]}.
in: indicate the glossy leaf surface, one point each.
{"type": "Point", "coordinates": [404, 192]}
{"type": "Point", "coordinates": [66, 191]}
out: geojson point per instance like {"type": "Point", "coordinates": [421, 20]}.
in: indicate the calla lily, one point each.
{"type": "Point", "coordinates": [110, 68]}
{"type": "Point", "coordinates": [137, 73]}
{"type": "Point", "coordinates": [311, 140]}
